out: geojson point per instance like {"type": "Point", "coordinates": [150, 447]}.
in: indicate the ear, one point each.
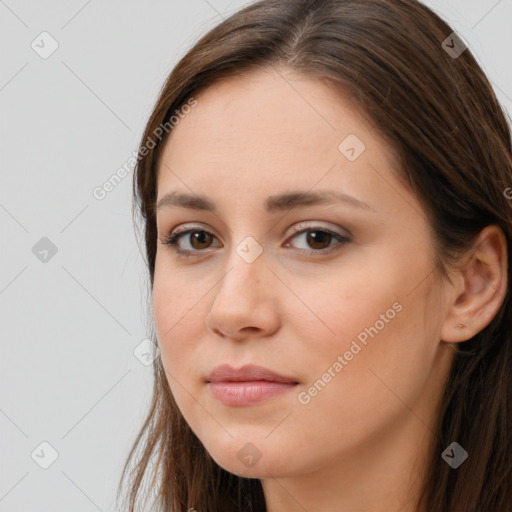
{"type": "Point", "coordinates": [480, 287]}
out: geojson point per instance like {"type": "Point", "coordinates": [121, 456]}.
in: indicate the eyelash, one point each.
{"type": "Point", "coordinates": [173, 238]}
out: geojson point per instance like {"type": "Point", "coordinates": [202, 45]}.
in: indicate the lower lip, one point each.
{"type": "Point", "coordinates": [248, 392]}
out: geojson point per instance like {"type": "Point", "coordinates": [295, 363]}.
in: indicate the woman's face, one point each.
{"type": "Point", "coordinates": [337, 294]}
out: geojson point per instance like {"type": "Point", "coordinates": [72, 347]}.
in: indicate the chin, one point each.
{"type": "Point", "coordinates": [251, 460]}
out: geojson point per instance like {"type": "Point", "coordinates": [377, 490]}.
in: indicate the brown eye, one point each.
{"type": "Point", "coordinates": [199, 239]}
{"type": "Point", "coordinates": [318, 239]}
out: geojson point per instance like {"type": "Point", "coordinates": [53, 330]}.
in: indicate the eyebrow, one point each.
{"type": "Point", "coordinates": [273, 204]}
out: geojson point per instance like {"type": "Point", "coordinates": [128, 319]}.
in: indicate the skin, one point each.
{"type": "Point", "coordinates": [361, 443]}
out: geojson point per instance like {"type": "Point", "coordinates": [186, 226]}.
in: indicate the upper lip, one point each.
{"type": "Point", "coordinates": [248, 372]}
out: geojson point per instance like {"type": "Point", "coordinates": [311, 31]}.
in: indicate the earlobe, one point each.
{"type": "Point", "coordinates": [481, 287]}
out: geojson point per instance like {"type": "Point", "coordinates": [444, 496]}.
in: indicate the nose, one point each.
{"type": "Point", "coordinates": [245, 303]}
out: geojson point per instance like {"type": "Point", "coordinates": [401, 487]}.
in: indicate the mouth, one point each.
{"type": "Point", "coordinates": [247, 385]}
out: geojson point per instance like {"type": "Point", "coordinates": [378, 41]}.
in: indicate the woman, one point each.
{"type": "Point", "coordinates": [323, 186]}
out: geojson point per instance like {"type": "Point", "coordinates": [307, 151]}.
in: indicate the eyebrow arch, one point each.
{"type": "Point", "coordinates": [273, 204]}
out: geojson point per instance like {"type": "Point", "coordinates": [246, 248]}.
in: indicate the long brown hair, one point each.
{"type": "Point", "coordinates": [453, 140]}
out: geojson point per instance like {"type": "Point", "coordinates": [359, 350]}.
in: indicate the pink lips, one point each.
{"type": "Point", "coordinates": [247, 385]}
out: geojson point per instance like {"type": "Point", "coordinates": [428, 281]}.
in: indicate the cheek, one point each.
{"type": "Point", "coordinates": [177, 325]}
{"type": "Point", "coordinates": [376, 355]}
{"type": "Point", "coordinates": [366, 394]}
{"type": "Point", "coordinates": [176, 333]}
{"type": "Point", "coordinates": [335, 311]}
{"type": "Point", "coordinates": [173, 298]}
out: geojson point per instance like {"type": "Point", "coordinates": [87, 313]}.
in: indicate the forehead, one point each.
{"type": "Point", "coordinates": [269, 130]}
{"type": "Point", "coordinates": [274, 108]}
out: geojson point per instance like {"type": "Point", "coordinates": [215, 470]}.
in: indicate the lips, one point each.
{"type": "Point", "coordinates": [247, 373]}
{"type": "Point", "coordinates": [249, 385]}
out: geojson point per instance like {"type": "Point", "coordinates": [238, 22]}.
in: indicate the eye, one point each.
{"type": "Point", "coordinates": [317, 237]}
{"type": "Point", "coordinates": [197, 242]}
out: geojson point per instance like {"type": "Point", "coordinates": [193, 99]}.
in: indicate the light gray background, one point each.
{"type": "Point", "coordinates": [69, 325]}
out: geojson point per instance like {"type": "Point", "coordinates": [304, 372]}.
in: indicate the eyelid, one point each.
{"type": "Point", "coordinates": [311, 225]}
